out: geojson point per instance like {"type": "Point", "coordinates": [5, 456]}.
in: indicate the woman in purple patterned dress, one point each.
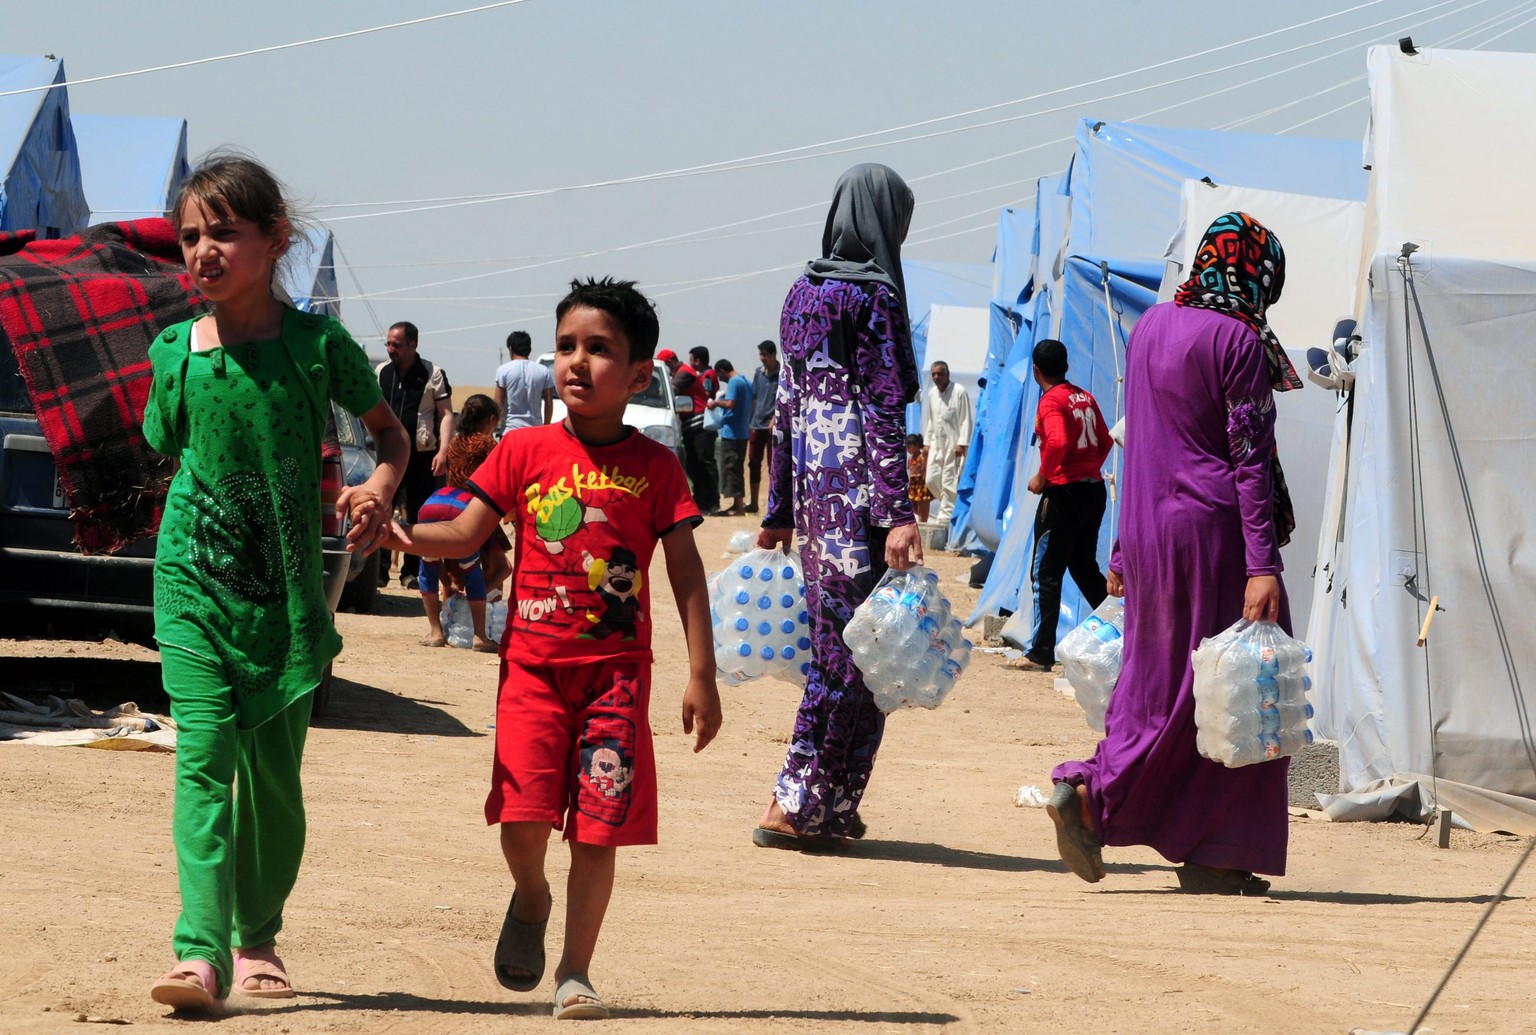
{"type": "Point", "coordinates": [839, 478]}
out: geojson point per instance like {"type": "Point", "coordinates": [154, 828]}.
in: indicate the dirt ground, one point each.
{"type": "Point", "coordinates": [953, 915]}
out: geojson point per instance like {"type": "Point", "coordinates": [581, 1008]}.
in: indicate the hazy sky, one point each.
{"type": "Point", "coordinates": [553, 96]}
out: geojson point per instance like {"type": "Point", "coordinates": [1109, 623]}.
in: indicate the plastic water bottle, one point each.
{"type": "Point", "coordinates": [759, 617]}
{"type": "Point", "coordinates": [1251, 695]}
{"type": "Point", "coordinates": [906, 642]}
{"type": "Point", "coordinates": [495, 620]}
{"type": "Point", "coordinates": [1090, 659]}
{"type": "Point", "coordinates": [458, 625]}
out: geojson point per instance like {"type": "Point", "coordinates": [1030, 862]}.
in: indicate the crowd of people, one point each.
{"type": "Point", "coordinates": [240, 397]}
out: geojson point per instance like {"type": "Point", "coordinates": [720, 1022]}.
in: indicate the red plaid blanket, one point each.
{"type": "Point", "coordinates": [80, 314]}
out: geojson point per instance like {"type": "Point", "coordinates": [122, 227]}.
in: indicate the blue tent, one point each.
{"type": "Point", "coordinates": [941, 283]}
{"type": "Point", "coordinates": [40, 185]}
{"type": "Point", "coordinates": [1118, 206]}
{"type": "Point", "coordinates": [132, 165]}
{"type": "Point", "coordinates": [309, 272]}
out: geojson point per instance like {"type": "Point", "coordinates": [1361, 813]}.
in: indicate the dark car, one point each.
{"type": "Point", "coordinates": [49, 587]}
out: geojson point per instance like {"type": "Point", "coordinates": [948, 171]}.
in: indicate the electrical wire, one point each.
{"type": "Point", "coordinates": [261, 50]}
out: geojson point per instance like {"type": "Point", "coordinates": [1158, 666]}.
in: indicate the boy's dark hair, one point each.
{"type": "Point", "coordinates": [1050, 356]}
{"type": "Point", "coordinates": [477, 414]}
{"type": "Point", "coordinates": [635, 313]}
{"type": "Point", "coordinates": [700, 355]}
{"type": "Point", "coordinates": [723, 367]}
{"type": "Point", "coordinates": [767, 345]}
{"type": "Point", "coordinates": [411, 334]}
{"type": "Point", "coordinates": [519, 343]}
{"type": "Point", "coordinates": [915, 440]}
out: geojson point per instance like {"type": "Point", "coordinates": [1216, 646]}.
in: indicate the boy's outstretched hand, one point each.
{"type": "Point", "coordinates": [701, 708]}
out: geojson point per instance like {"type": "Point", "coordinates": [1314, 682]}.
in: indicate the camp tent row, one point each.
{"type": "Point", "coordinates": [1409, 484]}
{"type": "Point", "coordinates": [65, 171]}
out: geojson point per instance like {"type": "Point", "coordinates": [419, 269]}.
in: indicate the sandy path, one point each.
{"type": "Point", "coordinates": [953, 915]}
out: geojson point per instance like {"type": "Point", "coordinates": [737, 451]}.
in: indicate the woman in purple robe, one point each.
{"type": "Point", "coordinates": [1203, 516]}
{"type": "Point", "coordinates": [839, 478]}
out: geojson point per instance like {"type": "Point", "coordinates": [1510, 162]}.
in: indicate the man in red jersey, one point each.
{"type": "Point", "coordinates": [1070, 482]}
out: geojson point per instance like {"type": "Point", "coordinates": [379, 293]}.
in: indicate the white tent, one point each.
{"type": "Point", "coordinates": [1321, 237]}
{"type": "Point", "coordinates": [1432, 494]}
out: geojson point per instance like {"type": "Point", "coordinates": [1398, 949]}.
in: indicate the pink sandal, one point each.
{"type": "Point", "coordinates": [256, 964]}
{"type": "Point", "coordinates": [189, 985]}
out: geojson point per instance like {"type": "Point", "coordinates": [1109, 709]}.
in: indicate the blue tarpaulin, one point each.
{"type": "Point", "coordinates": [1107, 223]}
{"type": "Point", "coordinates": [131, 165]}
{"type": "Point", "coordinates": [40, 186]}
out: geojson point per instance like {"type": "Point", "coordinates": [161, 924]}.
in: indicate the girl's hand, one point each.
{"type": "Point", "coordinates": [782, 538]}
{"type": "Point", "coordinates": [1114, 585]}
{"type": "Point", "coordinates": [1261, 602]}
{"type": "Point", "coordinates": [903, 547]}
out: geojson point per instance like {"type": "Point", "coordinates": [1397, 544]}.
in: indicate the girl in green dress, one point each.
{"type": "Point", "coordinates": [240, 397]}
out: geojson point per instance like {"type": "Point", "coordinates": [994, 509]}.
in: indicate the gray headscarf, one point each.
{"type": "Point", "coordinates": [871, 210]}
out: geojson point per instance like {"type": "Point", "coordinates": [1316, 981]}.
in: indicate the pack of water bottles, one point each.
{"type": "Point", "coordinates": [1090, 658]}
{"type": "Point", "coordinates": [459, 625]}
{"type": "Point", "coordinates": [908, 645]}
{"type": "Point", "coordinates": [1251, 695]}
{"type": "Point", "coordinates": [757, 610]}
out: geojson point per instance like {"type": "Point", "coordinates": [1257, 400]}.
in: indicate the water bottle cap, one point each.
{"type": "Point", "coordinates": [767, 653]}
{"type": "Point", "coordinates": [742, 596]}
{"type": "Point", "coordinates": [787, 653]}
{"type": "Point", "coordinates": [764, 629]}
{"type": "Point", "coordinates": [742, 625]}
{"type": "Point", "coordinates": [787, 573]}
{"type": "Point", "coordinates": [803, 643]}
{"type": "Point", "coordinates": [764, 603]}
{"type": "Point", "coordinates": [804, 618]}
{"type": "Point", "coordinates": [744, 650]}
{"type": "Point", "coordinates": [786, 627]}
{"type": "Point", "coordinates": [746, 571]}
{"type": "Point", "coordinates": [786, 601]}
{"type": "Point", "coordinates": [766, 574]}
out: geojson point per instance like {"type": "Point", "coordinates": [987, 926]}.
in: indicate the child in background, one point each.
{"type": "Point", "coordinates": [917, 477]}
{"type": "Point", "coordinates": [590, 498]}
{"type": "Point", "coordinates": [471, 574]}
{"type": "Point", "coordinates": [241, 397]}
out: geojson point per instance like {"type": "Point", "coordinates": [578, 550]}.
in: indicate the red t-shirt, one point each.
{"type": "Point", "coordinates": [1073, 437]}
{"type": "Point", "coordinates": [587, 520]}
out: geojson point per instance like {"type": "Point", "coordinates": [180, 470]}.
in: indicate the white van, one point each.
{"type": "Point", "coordinates": [654, 411]}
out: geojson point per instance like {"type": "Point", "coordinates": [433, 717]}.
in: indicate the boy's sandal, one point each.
{"type": "Point", "coordinates": [1027, 664]}
{"type": "Point", "coordinates": [520, 947]}
{"type": "Point", "coordinates": [588, 1005]}
{"type": "Point", "coordinates": [258, 965]}
{"type": "Point", "coordinates": [189, 985]}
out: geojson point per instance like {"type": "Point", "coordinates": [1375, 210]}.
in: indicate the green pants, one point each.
{"type": "Point", "coordinates": [239, 819]}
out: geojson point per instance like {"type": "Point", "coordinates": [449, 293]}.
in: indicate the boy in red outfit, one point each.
{"type": "Point", "coordinates": [1070, 482]}
{"type": "Point", "coordinates": [590, 498]}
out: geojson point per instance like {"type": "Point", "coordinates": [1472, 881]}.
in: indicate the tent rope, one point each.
{"type": "Point", "coordinates": [1500, 630]}
{"type": "Point", "coordinates": [1477, 929]}
{"type": "Point", "coordinates": [1418, 585]}
{"type": "Point", "coordinates": [1116, 345]}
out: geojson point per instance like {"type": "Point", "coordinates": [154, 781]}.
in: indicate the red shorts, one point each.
{"type": "Point", "coordinates": [573, 749]}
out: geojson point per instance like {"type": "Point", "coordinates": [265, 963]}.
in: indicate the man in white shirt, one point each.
{"type": "Point", "coordinates": [525, 390]}
{"type": "Point", "coordinates": [947, 422]}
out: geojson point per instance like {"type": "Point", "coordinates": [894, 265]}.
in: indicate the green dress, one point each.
{"type": "Point", "coordinates": [238, 569]}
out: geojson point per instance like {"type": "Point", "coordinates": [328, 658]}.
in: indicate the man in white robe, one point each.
{"type": "Point", "coordinates": [947, 422]}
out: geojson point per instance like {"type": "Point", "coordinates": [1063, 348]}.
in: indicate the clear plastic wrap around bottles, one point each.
{"type": "Point", "coordinates": [495, 619]}
{"type": "Point", "coordinates": [757, 610]}
{"type": "Point", "coordinates": [904, 639]}
{"type": "Point", "coordinates": [458, 626]}
{"type": "Point", "coordinates": [1251, 695]}
{"type": "Point", "coordinates": [742, 541]}
{"type": "Point", "coordinates": [1090, 659]}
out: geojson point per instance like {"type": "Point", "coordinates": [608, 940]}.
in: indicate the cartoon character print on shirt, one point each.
{"type": "Point", "coordinates": [616, 582]}
{"type": "Point", "coordinates": [608, 754]}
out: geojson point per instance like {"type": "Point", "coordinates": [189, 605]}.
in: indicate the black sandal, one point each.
{"type": "Point", "coordinates": [520, 947]}
{"type": "Point", "coordinates": [1195, 879]}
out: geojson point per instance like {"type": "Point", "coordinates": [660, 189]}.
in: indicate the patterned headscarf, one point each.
{"type": "Point", "coordinates": [1239, 270]}
{"type": "Point", "coordinates": [871, 210]}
